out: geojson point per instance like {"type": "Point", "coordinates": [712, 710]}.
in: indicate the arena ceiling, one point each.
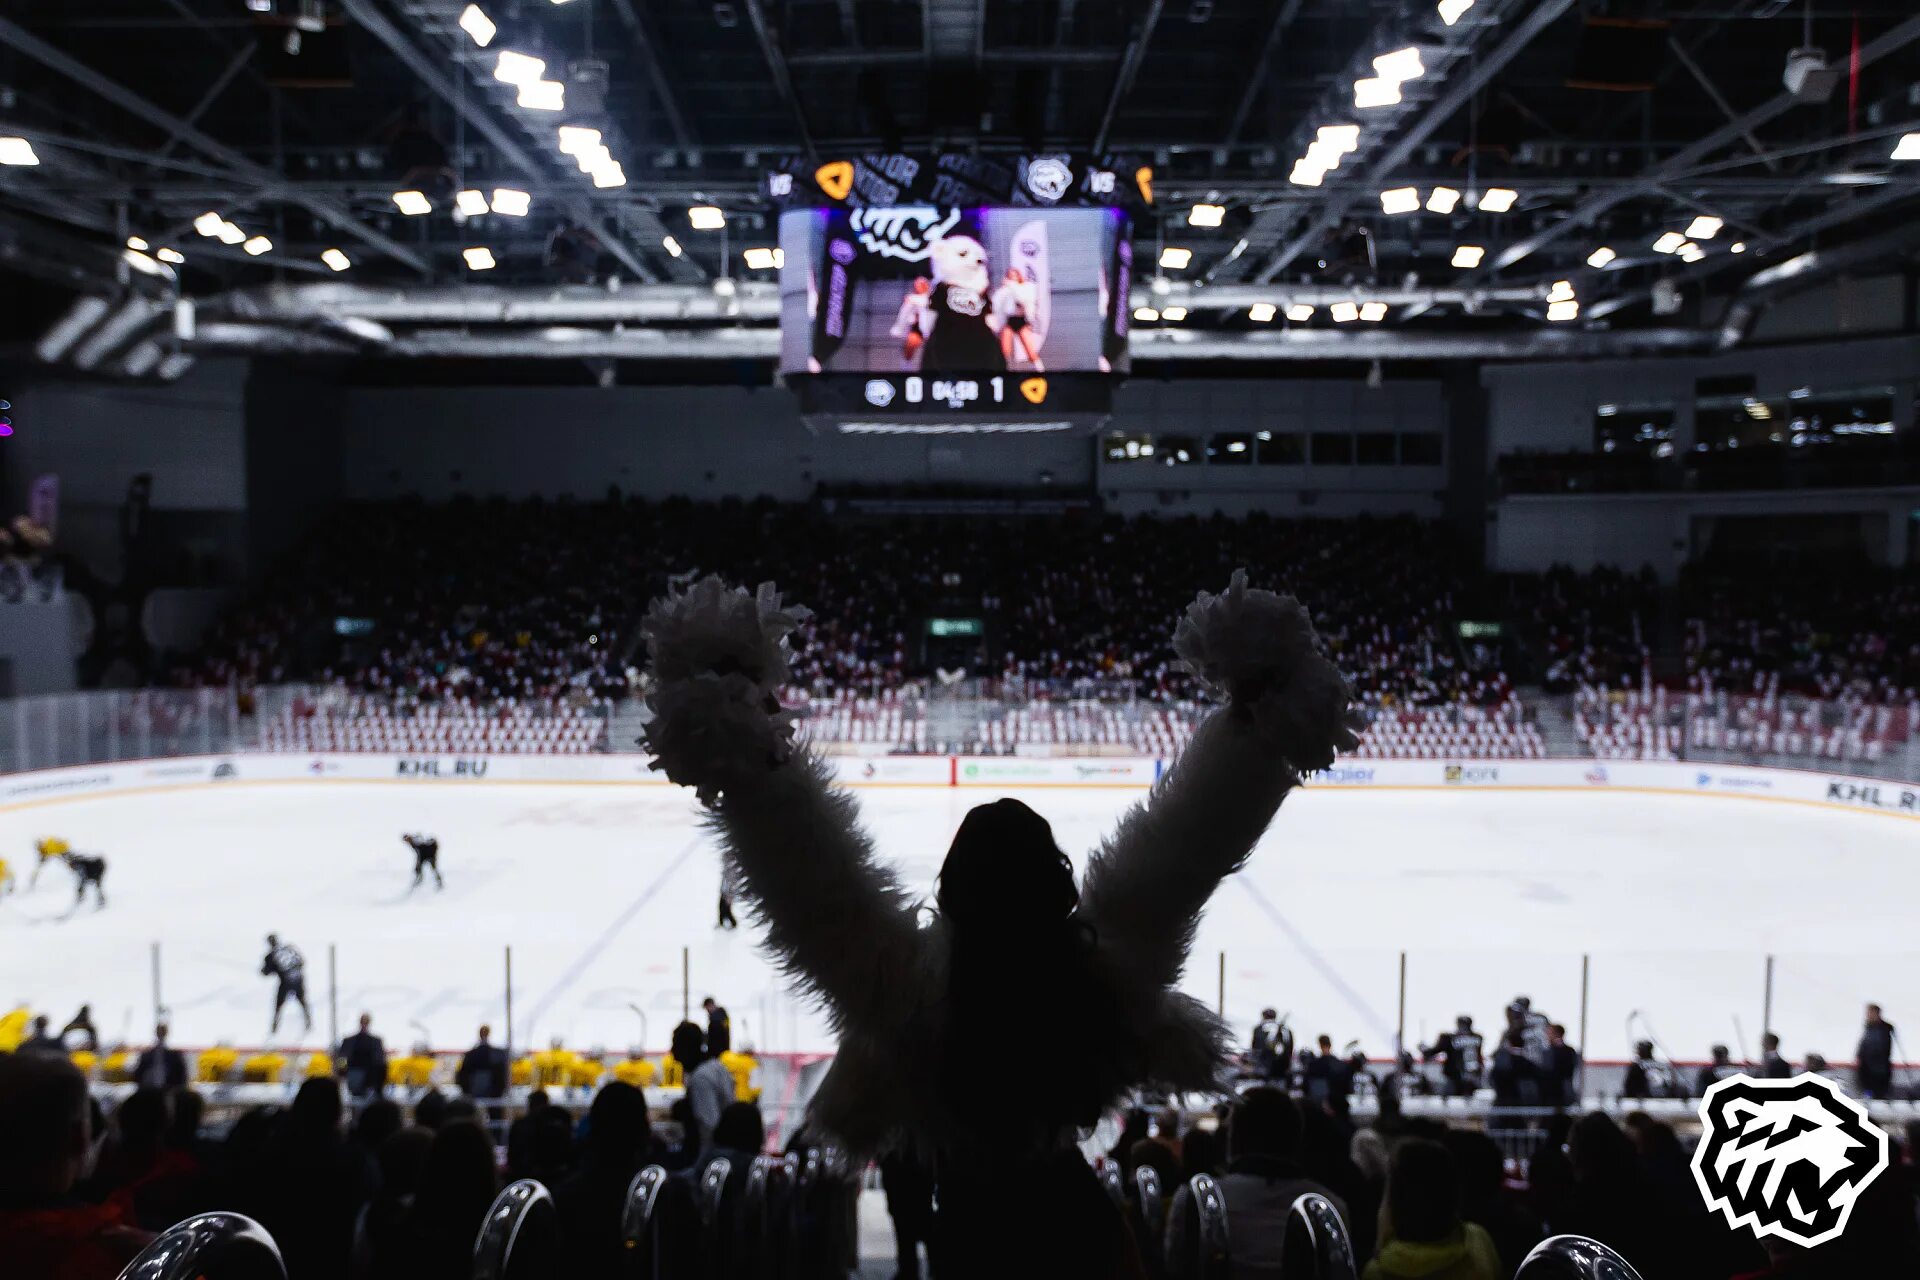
{"type": "Point", "coordinates": [1611, 124]}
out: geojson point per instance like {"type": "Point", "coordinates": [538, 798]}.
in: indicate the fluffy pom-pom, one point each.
{"type": "Point", "coordinates": [719, 657]}
{"type": "Point", "coordinates": [714, 628]}
{"type": "Point", "coordinates": [1257, 650]}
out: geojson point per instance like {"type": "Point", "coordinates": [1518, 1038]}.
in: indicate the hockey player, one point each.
{"type": "Point", "coordinates": [1462, 1055]}
{"type": "Point", "coordinates": [1647, 1076]}
{"type": "Point", "coordinates": [89, 869]}
{"type": "Point", "coordinates": [285, 965]}
{"type": "Point", "coordinates": [426, 857]}
{"type": "Point", "coordinates": [49, 848]}
{"type": "Point", "coordinates": [1271, 1053]}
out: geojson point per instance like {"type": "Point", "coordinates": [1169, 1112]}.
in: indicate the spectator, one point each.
{"type": "Point", "coordinates": [709, 1084]}
{"type": "Point", "coordinates": [430, 1109]}
{"type": "Point", "coordinates": [1200, 1152]}
{"type": "Point", "coordinates": [1875, 1055]}
{"type": "Point", "coordinates": [378, 1234]}
{"type": "Point", "coordinates": [379, 1120]}
{"type": "Point", "coordinates": [1485, 1200]}
{"type": "Point", "coordinates": [363, 1061]}
{"type": "Point", "coordinates": [908, 1183]}
{"type": "Point", "coordinates": [456, 1186]}
{"type": "Point", "coordinates": [161, 1067]}
{"type": "Point", "coordinates": [160, 1182]}
{"type": "Point", "coordinates": [1263, 1179]}
{"type": "Point", "coordinates": [719, 1028]}
{"type": "Point", "coordinates": [1422, 1235]}
{"type": "Point", "coordinates": [619, 1143]}
{"type": "Point", "coordinates": [46, 1231]}
{"type": "Point", "coordinates": [1608, 1198]}
{"type": "Point", "coordinates": [739, 1136]}
{"type": "Point", "coordinates": [1134, 1127]}
{"type": "Point", "coordinates": [310, 1186]}
{"type": "Point", "coordinates": [1160, 1158]}
{"type": "Point", "coordinates": [483, 1071]}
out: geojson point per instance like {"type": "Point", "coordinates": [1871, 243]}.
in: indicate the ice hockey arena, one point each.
{"type": "Point", "coordinates": [781, 639]}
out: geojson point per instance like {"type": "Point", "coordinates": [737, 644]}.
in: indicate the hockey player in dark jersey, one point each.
{"type": "Point", "coordinates": [426, 857]}
{"type": "Point", "coordinates": [89, 869]}
{"type": "Point", "coordinates": [285, 965]}
{"type": "Point", "coordinates": [1462, 1055]}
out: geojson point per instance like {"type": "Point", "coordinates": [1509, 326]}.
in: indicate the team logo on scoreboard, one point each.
{"type": "Point", "coordinates": [1049, 177]}
{"type": "Point", "coordinates": [904, 232]}
{"type": "Point", "coordinates": [1786, 1158]}
{"type": "Point", "coordinates": [835, 178]}
{"type": "Point", "coordinates": [1034, 389]}
{"type": "Point", "coordinates": [879, 392]}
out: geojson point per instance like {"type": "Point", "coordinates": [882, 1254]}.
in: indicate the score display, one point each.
{"type": "Point", "coordinates": [915, 394]}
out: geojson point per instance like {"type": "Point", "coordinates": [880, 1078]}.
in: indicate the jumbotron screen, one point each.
{"type": "Point", "coordinates": [954, 294]}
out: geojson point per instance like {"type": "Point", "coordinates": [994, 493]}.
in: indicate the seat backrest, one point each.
{"type": "Point", "coordinates": [1317, 1245]}
{"type": "Point", "coordinates": [229, 1246]}
{"type": "Point", "coordinates": [1111, 1183]}
{"type": "Point", "coordinates": [1574, 1258]}
{"type": "Point", "coordinates": [1207, 1234]}
{"type": "Point", "coordinates": [520, 1236]}
{"type": "Point", "coordinates": [1153, 1208]}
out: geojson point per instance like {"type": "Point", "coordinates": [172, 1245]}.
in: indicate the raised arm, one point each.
{"type": "Point", "coordinates": [1286, 712]}
{"type": "Point", "coordinates": [838, 920]}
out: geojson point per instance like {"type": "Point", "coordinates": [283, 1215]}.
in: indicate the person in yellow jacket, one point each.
{"type": "Point", "coordinates": [49, 848]}
{"type": "Point", "coordinates": [265, 1067]}
{"type": "Point", "coordinates": [636, 1071]}
{"type": "Point", "coordinates": [413, 1071]}
{"type": "Point", "coordinates": [13, 1029]}
{"type": "Point", "coordinates": [741, 1067]}
{"type": "Point", "coordinates": [216, 1064]}
{"type": "Point", "coordinates": [7, 883]}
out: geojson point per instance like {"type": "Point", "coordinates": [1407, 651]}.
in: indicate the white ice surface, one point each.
{"type": "Point", "coordinates": [1676, 899]}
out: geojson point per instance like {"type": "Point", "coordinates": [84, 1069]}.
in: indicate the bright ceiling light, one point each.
{"type": "Point", "coordinates": [1400, 65]}
{"type": "Point", "coordinates": [1342, 138]}
{"type": "Point", "coordinates": [1175, 258]}
{"type": "Point", "coordinates": [1562, 291]}
{"type": "Point", "coordinates": [257, 246]}
{"type": "Point", "coordinates": [1497, 199]}
{"type": "Point", "coordinates": [1601, 257]}
{"type": "Point", "coordinates": [610, 175]}
{"type": "Point", "coordinates": [1373, 312]}
{"type": "Point", "coordinates": [135, 242]}
{"type": "Point", "coordinates": [759, 258]}
{"type": "Point", "coordinates": [336, 259]}
{"type": "Point", "coordinates": [518, 68]}
{"type": "Point", "coordinates": [704, 217]}
{"type": "Point", "coordinates": [1400, 200]}
{"type": "Point", "coordinates": [209, 224]}
{"type": "Point", "coordinates": [543, 95]}
{"type": "Point", "coordinates": [1908, 148]}
{"type": "Point", "coordinates": [1300, 312]}
{"type": "Point", "coordinates": [592, 157]}
{"type": "Point", "coordinates": [471, 203]}
{"type": "Point", "coordinates": [1669, 243]}
{"type": "Point", "coordinates": [229, 234]}
{"type": "Point", "coordinates": [17, 151]}
{"type": "Point", "coordinates": [576, 138]}
{"type": "Point", "coordinates": [171, 255]}
{"type": "Point", "coordinates": [1146, 315]}
{"type": "Point", "coordinates": [1375, 93]}
{"type": "Point", "coordinates": [1451, 11]}
{"type": "Point", "coordinates": [412, 203]}
{"type": "Point", "coordinates": [1173, 313]}
{"type": "Point", "coordinates": [1443, 199]}
{"type": "Point", "coordinates": [1692, 253]}
{"type": "Point", "coordinates": [143, 264]}
{"type": "Point", "coordinates": [1704, 227]}
{"type": "Point", "coordinates": [1262, 312]}
{"type": "Point", "coordinates": [672, 246]}
{"type": "Point", "coordinates": [479, 259]}
{"type": "Point", "coordinates": [1468, 255]}
{"type": "Point", "coordinates": [1567, 310]}
{"type": "Point", "coordinates": [1344, 312]}
{"type": "Point", "coordinates": [475, 22]}
{"type": "Point", "coordinates": [1206, 215]}
{"type": "Point", "coordinates": [1738, 246]}
{"type": "Point", "coordinates": [511, 203]}
{"type": "Point", "coordinates": [1306, 174]}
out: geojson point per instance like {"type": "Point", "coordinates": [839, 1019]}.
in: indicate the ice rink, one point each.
{"type": "Point", "coordinates": [1676, 899]}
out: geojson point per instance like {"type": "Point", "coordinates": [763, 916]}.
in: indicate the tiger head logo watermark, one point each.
{"type": "Point", "coordinates": [1786, 1158]}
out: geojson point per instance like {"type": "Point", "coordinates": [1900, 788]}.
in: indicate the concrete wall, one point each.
{"type": "Point", "coordinates": [1531, 533]}
{"type": "Point", "coordinates": [1299, 407]}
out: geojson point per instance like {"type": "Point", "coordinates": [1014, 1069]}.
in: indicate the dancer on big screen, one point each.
{"type": "Point", "coordinates": [1015, 953]}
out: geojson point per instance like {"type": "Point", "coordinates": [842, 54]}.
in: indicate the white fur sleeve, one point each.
{"type": "Point", "coordinates": [837, 919]}
{"type": "Point", "coordinates": [1287, 711]}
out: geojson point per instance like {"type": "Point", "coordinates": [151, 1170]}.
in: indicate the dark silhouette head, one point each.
{"type": "Point", "coordinates": [1265, 1122]}
{"type": "Point", "coordinates": [740, 1128]}
{"type": "Point", "coordinates": [689, 1045]}
{"type": "Point", "coordinates": [617, 1126]}
{"type": "Point", "coordinates": [1005, 871]}
{"type": "Point", "coordinates": [1423, 1192]}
